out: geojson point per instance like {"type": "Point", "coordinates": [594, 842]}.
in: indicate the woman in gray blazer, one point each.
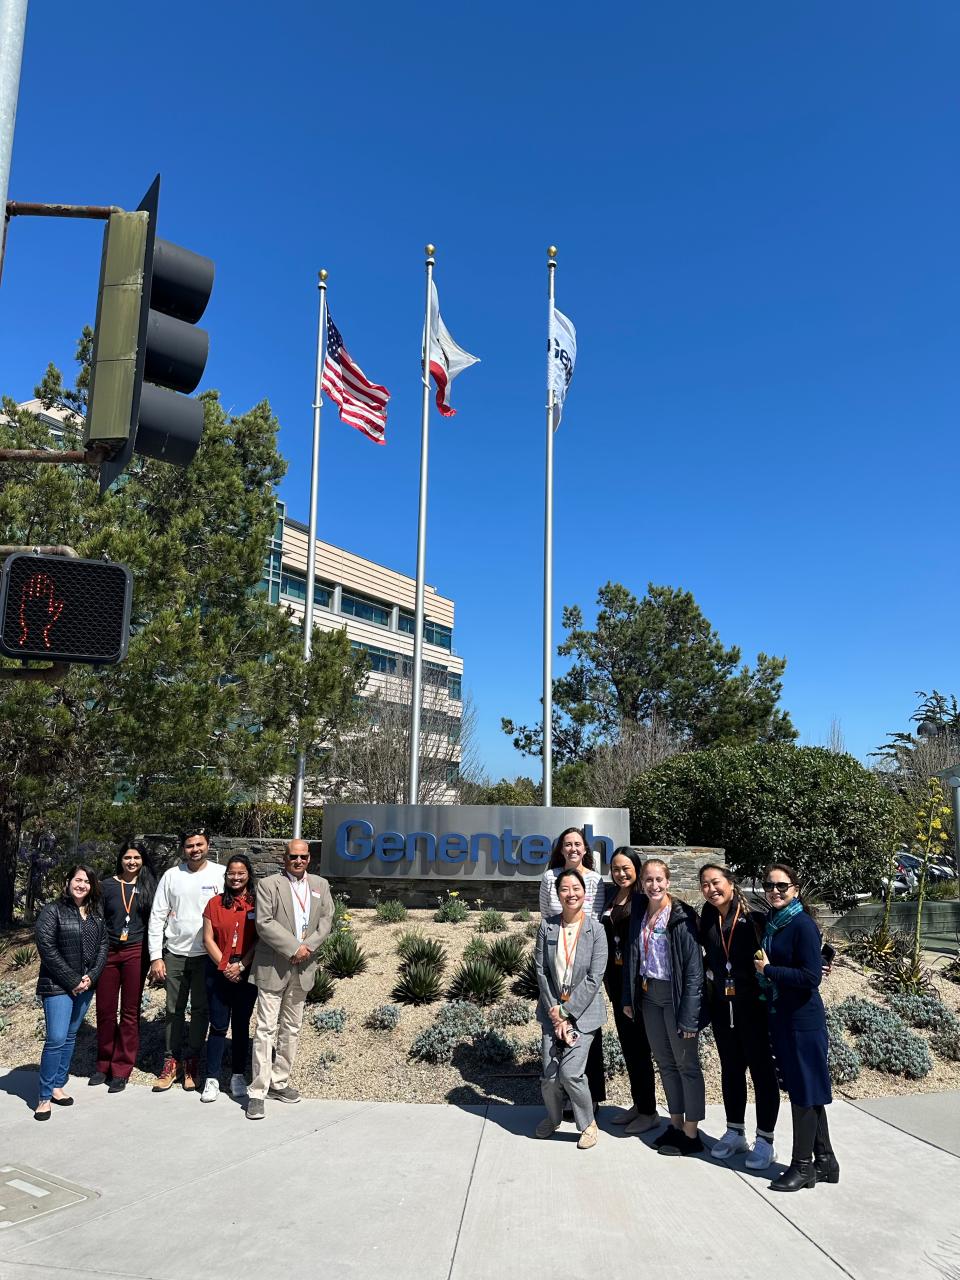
{"type": "Point", "coordinates": [571, 956]}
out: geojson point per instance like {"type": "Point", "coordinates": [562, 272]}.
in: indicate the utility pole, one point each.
{"type": "Point", "coordinates": [13, 21]}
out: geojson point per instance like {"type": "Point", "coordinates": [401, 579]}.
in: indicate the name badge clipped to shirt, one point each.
{"type": "Point", "coordinates": [251, 915]}
{"type": "Point", "coordinates": [315, 893]}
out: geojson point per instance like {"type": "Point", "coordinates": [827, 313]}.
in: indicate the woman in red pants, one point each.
{"type": "Point", "coordinates": [127, 898]}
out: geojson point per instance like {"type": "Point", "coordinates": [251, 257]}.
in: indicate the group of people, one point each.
{"type": "Point", "coordinates": [225, 945]}
{"type": "Point", "coordinates": [668, 973]}
{"type": "Point", "coordinates": [217, 940]}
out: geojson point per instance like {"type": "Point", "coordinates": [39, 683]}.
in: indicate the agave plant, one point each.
{"type": "Point", "coordinates": [407, 939]}
{"type": "Point", "coordinates": [507, 954]}
{"type": "Point", "coordinates": [426, 951]}
{"type": "Point", "coordinates": [345, 957]}
{"type": "Point", "coordinates": [478, 981]}
{"type": "Point", "coordinates": [527, 984]}
{"type": "Point", "coordinates": [418, 983]}
{"type": "Point", "coordinates": [322, 989]}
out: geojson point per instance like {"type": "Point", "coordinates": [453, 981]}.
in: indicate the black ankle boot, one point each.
{"type": "Point", "coordinates": [801, 1174]}
{"type": "Point", "coordinates": [826, 1169]}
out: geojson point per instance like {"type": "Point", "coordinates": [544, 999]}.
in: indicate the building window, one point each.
{"type": "Point", "coordinates": [435, 633]}
{"type": "Point", "coordinates": [407, 623]}
{"type": "Point", "coordinates": [384, 660]}
{"type": "Point", "coordinates": [357, 607]}
{"type": "Point", "coordinates": [270, 582]}
{"type": "Point", "coordinates": [453, 775]}
{"type": "Point", "coordinates": [454, 686]}
{"type": "Point", "coordinates": [293, 585]}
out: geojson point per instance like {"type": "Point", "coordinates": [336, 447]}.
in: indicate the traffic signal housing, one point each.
{"type": "Point", "coordinates": [64, 608]}
{"type": "Point", "coordinates": [147, 349]}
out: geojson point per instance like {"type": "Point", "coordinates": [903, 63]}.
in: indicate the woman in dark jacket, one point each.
{"type": "Point", "coordinates": [625, 869]}
{"type": "Point", "coordinates": [72, 942]}
{"type": "Point", "coordinates": [663, 983]}
{"type": "Point", "coordinates": [790, 968]}
{"type": "Point", "coordinates": [127, 898]}
{"type": "Point", "coordinates": [730, 934]}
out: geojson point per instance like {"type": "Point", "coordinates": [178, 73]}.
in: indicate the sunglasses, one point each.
{"type": "Point", "coordinates": [298, 857]}
{"type": "Point", "coordinates": [776, 886]}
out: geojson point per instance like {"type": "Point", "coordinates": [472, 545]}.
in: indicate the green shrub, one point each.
{"type": "Point", "coordinates": [522, 916]}
{"type": "Point", "coordinates": [23, 956]}
{"type": "Point", "coordinates": [531, 930]}
{"type": "Point", "coordinates": [478, 981]}
{"type": "Point", "coordinates": [942, 891]}
{"type": "Point", "coordinates": [614, 1063]}
{"type": "Point", "coordinates": [510, 1013]}
{"type": "Point", "coordinates": [322, 989]}
{"type": "Point", "coordinates": [927, 1011]}
{"type": "Point", "coordinates": [476, 949]}
{"type": "Point", "coordinates": [329, 1019]}
{"type": "Point", "coordinates": [526, 984]}
{"type": "Point", "coordinates": [385, 1017]}
{"type": "Point", "coordinates": [508, 954]}
{"type": "Point", "coordinates": [10, 995]}
{"type": "Point", "coordinates": [904, 976]}
{"type": "Point", "coordinates": [345, 957]}
{"type": "Point", "coordinates": [434, 1044]}
{"type": "Point", "coordinates": [844, 1062]}
{"type": "Point", "coordinates": [324, 1058]}
{"type": "Point", "coordinates": [341, 912]}
{"type": "Point", "coordinates": [877, 948]}
{"type": "Point", "coordinates": [491, 921]}
{"type": "Point", "coordinates": [863, 1017]}
{"type": "Point", "coordinates": [462, 1018]}
{"type": "Point", "coordinates": [897, 1051]}
{"type": "Point", "coordinates": [951, 971]}
{"type": "Point", "coordinates": [492, 1048]}
{"type": "Point", "coordinates": [407, 939]}
{"type": "Point", "coordinates": [418, 983]}
{"type": "Point", "coordinates": [451, 909]}
{"type": "Point", "coordinates": [391, 912]}
{"type": "Point", "coordinates": [426, 951]}
{"type": "Point", "coordinates": [946, 1042]}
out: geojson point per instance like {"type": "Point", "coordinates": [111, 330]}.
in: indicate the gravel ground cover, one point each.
{"type": "Point", "coordinates": [359, 1063]}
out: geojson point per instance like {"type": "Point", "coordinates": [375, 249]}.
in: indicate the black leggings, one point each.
{"type": "Point", "coordinates": [636, 1054]}
{"type": "Point", "coordinates": [811, 1134]}
{"type": "Point", "coordinates": [746, 1047]}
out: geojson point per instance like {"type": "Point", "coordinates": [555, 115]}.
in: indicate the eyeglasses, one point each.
{"type": "Point", "coordinates": [776, 886]}
{"type": "Point", "coordinates": [298, 857]}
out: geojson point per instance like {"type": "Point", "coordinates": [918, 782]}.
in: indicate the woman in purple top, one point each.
{"type": "Point", "coordinates": [663, 984]}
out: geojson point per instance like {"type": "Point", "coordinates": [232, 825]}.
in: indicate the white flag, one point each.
{"type": "Point", "coordinates": [446, 359]}
{"type": "Point", "coordinates": [561, 358]}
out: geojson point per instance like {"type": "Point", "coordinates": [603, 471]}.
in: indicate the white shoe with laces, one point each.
{"type": "Point", "coordinates": [731, 1142]}
{"type": "Point", "coordinates": [238, 1086]}
{"type": "Point", "coordinates": [762, 1156]}
{"type": "Point", "coordinates": [211, 1090]}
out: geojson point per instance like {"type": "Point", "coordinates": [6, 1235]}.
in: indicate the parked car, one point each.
{"type": "Point", "coordinates": [935, 870]}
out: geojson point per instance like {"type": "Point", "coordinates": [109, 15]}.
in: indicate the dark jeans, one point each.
{"type": "Point", "coordinates": [63, 1015]}
{"type": "Point", "coordinates": [639, 1060]}
{"type": "Point", "coordinates": [231, 1005]}
{"type": "Point", "coordinates": [746, 1047]}
{"type": "Point", "coordinates": [186, 980]}
{"type": "Point", "coordinates": [122, 980]}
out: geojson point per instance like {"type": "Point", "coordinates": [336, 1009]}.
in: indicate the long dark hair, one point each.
{"type": "Point", "coordinates": [93, 899]}
{"type": "Point", "coordinates": [738, 895]}
{"type": "Point", "coordinates": [557, 859]}
{"type": "Point", "coordinates": [228, 898]}
{"type": "Point", "coordinates": [626, 852]}
{"type": "Point", "coordinates": [571, 871]}
{"type": "Point", "coordinates": [146, 877]}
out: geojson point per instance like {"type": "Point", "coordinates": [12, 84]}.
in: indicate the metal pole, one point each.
{"type": "Point", "coordinates": [13, 21]}
{"type": "Point", "coordinates": [312, 536]}
{"type": "Point", "coordinates": [548, 555]}
{"type": "Point", "coordinates": [413, 790]}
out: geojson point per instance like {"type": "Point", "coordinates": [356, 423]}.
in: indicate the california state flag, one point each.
{"type": "Point", "coordinates": [446, 359]}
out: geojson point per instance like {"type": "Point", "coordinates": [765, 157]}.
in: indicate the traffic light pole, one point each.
{"type": "Point", "coordinates": [57, 671]}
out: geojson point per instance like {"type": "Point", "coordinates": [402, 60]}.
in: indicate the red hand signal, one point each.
{"type": "Point", "coordinates": [39, 609]}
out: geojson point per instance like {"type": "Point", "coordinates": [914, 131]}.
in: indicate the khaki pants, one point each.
{"type": "Point", "coordinates": [279, 1017]}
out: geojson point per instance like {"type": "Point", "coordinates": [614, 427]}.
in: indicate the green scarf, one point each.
{"type": "Point", "coordinates": [776, 921]}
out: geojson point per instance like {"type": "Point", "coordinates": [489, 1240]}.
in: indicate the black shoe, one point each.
{"type": "Point", "coordinates": [62, 1102]}
{"type": "Point", "coordinates": [826, 1169]}
{"type": "Point", "coordinates": [117, 1086]}
{"type": "Point", "coordinates": [669, 1137]}
{"type": "Point", "coordinates": [799, 1176]}
{"type": "Point", "coordinates": [42, 1115]}
{"type": "Point", "coordinates": [98, 1077]}
{"type": "Point", "coordinates": [681, 1145]}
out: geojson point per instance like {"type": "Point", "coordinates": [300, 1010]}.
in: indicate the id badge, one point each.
{"type": "Point", "coordinates": [124, 934]}
{"type": "Point", "coordinates": [564, 994]}
{"type": "Point", "coordinates": [644, 984]}
{"type": "Point", "coordinates": [729, 989]}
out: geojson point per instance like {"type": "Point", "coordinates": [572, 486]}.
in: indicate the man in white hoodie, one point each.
{"type": "Point", "coordinates": [175, 940]}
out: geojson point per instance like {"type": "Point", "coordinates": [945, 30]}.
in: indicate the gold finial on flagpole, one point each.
{"type": "Point", "coordinates": [323, 274]}
{"type": "Point", "coordinates": [552, 254]}
{"type": "Point", "coordinates": [430, 250]}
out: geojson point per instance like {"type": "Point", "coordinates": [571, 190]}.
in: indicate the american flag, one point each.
{"type": "Point", "coordinates": [362, 403]}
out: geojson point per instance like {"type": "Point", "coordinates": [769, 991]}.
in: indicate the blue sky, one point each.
{"type": "Point", "coordinates": [756, 208]}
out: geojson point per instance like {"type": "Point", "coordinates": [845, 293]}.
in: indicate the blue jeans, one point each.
{"type": "Point", "coordinates": [63, 1015]}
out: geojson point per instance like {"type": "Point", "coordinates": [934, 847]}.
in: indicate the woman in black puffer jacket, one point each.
{"type": "Point", "coordinates": [72, 942]}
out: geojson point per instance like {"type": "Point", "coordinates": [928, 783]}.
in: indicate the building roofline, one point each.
{"type": "Point", "coordinates": [303, 528]}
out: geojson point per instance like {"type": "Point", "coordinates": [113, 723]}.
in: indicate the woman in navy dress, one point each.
{"type": "Point", "coordinates": [789, 966]}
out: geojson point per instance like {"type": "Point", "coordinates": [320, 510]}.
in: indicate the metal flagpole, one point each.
{"type": "Point", "coordinates": [413, 790]}
{"type": "Point", "coordinates": [312, 543]}
{"type": "Point", "coordinates": [548, 554]}
{"type": "Point", "coordinates": [13, 21]}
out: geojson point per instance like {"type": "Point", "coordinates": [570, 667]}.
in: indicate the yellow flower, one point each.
{"type": "Point", "coordinates": [454, 893]}
{"type": "Point", "coordinates": [936, 824]}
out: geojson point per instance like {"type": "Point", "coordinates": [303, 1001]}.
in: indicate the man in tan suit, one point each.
{"type": "Point", "coordinates": [294, 915]}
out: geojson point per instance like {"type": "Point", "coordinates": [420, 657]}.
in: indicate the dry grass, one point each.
{"type": "Point", "coordinates": [373, 1065]}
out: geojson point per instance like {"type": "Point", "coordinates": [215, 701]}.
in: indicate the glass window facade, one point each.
{"type": "Point", "coordinates": [384, 660]}
{"type": "Point", "coordinates": [455, 686]}
{"type": "Point", "coordinates": [358, 607]}
{"type": "Point", "coordinates": [407, 623]}
{"type": "Point", "coordinates": [293, 585]}
{"type": "Point", "coordinates": [435, 633]}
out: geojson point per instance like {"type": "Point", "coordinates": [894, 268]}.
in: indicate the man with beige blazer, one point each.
{"type": "Point", "coordinates": [294, 915]}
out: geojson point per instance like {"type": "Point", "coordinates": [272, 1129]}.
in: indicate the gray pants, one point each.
{"type": "Point", "coordinates": [677, 1059]}
{"type": "Point", "coordinates": [564, 1072]}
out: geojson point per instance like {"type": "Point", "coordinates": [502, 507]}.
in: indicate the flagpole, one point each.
{"type": "Point", "coordinates": [413, 790]}
{"type": "Point", "coordinates": [312, 543]}
{"type": "Point", "coordinates": [548, 555]}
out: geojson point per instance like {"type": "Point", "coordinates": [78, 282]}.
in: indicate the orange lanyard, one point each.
{"type": "Point", "coordinates": [566, 948]}
{"type": "Point", "coordinates": [727, 942]}
{"type": "Point", "coordinates": [127, 906]}
{"type": "Point", "coordinates": [301, 902]}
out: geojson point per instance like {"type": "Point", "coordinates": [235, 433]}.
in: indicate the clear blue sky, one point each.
{"type": "Point", "coordinates": [756, 206]}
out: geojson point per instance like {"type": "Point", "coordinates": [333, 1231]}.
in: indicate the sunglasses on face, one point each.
{"type": "Point", "coordinates": [776, 886]}
{"type": "Point", "coordinates": [298, 857]}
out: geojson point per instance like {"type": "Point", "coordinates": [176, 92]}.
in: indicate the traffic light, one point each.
{"type": "Point", "coordinates": [64, 608]}
{"type": "Point", "coordinates": [147, 350]}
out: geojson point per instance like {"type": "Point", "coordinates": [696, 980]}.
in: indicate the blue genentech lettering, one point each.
{"type": "Point", "coordinates": [357, 840]}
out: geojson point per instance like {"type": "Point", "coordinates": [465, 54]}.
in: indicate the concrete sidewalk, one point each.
{"type": "Point", "coordinates": [176, 1190]}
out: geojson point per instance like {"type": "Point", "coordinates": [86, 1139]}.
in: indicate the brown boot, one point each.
{"type": "Point", "coordinates": [190, 1075]}
{"type": "Point", "coordinates": [167, 1076]}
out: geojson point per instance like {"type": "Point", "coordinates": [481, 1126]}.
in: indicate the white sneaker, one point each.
{"type": "Point", "coordinates": [731, 1142]}
{"type": "Point", "coordinates": [762, 1156]}
{"type": "Point", "coordinates": [211, 1090]}
{"type": "Point", "coordinates": [238, 1086]}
